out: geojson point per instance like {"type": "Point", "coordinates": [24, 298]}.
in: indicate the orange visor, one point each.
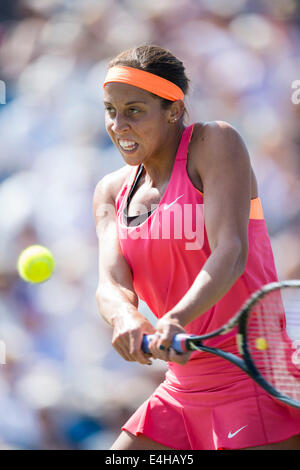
{"type": "Point", "coordinates": [145, 80]}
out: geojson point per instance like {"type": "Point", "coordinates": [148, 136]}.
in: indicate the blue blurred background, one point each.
{"type": "Point", "coordinates": [63, 386]}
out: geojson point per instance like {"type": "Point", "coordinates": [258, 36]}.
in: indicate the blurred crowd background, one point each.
{"type": "Point", "coordinates": [63, 386]}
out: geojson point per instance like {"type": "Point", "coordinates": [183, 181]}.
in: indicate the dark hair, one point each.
{"type": "Point", "coordinates": [155, 59]}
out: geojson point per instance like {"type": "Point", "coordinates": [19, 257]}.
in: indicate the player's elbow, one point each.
{"type": "Point", "coordinates": [233, 255]}
{"type": "Point", "coordinates": [100, 299]}
{"type": "Point", "coordinates": [98, 293]}
{"type": "Point", "coordinates": [240, 250]}
{"type": "Point", "coordinates": [242, 264]}
{"type": "Point", "coordinates": [105, 294]}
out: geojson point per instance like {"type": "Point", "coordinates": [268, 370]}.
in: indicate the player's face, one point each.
{"type": "Point", "coordinates": [135, 122]}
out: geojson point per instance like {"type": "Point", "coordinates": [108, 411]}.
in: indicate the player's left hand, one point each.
{"type": "Point", "coordinates": [160, 346]}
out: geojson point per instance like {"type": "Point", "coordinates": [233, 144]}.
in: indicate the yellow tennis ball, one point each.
{"type": "Point", "coordinates": [36, 264]}
{"type": "Point", "coordinates": [261, 344]}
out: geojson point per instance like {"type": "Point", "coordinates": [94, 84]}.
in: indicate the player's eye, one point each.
{"type": "Point", "coordinates": [133, 110]}
{"type": "Point", "coordinates": [109, 109]}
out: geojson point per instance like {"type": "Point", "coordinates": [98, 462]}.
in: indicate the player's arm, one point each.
{"type": "Point", "coordinates": [116, 299]}
{"type": "Point", "coordinates": [224, 168]}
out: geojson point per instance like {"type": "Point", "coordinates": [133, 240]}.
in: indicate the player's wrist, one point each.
{"type": "Point", "coordinates": [122, 313]}
{"type": "Point", "coordinates": [176, 317]}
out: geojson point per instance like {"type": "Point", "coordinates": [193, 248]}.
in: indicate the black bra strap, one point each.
{"type": "Point", "coordinates": [137, 178]}
{"type": "Point", "coordinates": [135, 218]}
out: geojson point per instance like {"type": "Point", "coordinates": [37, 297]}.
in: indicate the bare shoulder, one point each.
{"type": "Point", "coordinates": [109, 186]}
{"type": "Point", "coordinates": [216, 138]}
{"type": "Point", "coordinates": [218, 148]}
{"type": "Point", "coordinates": [217, 143]}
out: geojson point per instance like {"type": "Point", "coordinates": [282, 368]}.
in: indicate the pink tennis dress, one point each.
{"type": "Point", "coordinates": [207, 403]}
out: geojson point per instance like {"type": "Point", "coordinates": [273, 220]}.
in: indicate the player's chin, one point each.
{"type": "Point", "coordinates": [134, 157]}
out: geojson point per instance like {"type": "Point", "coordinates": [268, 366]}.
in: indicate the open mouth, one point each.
{"type": "Point", "coordinates": [128, 146]}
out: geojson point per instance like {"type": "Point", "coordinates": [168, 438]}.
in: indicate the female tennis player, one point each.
{"type": "Point", "coordinates": [181, 227]}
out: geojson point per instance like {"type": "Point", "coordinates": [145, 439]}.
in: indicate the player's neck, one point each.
{"type": "Point", "coordinates": [158, 171]}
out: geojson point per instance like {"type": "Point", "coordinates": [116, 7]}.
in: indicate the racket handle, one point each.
{"type": "Point", "coordinates": [178, 344]}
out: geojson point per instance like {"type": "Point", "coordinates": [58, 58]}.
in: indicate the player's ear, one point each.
{"type": "Point", "coordinates": [175, 111]}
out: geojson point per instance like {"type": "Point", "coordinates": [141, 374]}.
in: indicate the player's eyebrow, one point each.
{"type": "Point", "coordinates": [129, 102]}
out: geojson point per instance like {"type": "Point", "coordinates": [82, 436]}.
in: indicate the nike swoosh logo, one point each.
{"type": "Point", "coordinates": [166, 206]}
{"type": "Point", "coordinates": [231, 435]}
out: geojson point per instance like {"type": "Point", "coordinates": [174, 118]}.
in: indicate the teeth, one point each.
{"type": "Point", "coordinates": [127, 144]}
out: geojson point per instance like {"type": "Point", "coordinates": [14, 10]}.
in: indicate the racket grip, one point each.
{"type": "Point", "coordinates": [178, 344]}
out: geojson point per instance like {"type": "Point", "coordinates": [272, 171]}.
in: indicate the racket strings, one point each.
{"type": "Point", "coordinates": [273, 337]}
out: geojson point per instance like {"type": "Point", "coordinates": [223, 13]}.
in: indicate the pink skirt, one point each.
{"type": "Point", "coordinates": [210, 404]}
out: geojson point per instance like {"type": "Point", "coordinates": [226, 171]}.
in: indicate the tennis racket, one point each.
{"type": "Point", "coordinates": [268, 339]}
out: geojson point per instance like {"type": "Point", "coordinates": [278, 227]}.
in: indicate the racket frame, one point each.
{"type": "Point", "coordinates": [240, 320]}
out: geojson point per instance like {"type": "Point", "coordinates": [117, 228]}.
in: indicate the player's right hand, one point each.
{"type": "Point", "coordinates": [129, 329]}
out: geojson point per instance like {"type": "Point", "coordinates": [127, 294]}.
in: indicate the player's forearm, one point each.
{"type": "Point", "coordinates": [114, 301]}
{"type": "Point", "coordinates": [217, 276]}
